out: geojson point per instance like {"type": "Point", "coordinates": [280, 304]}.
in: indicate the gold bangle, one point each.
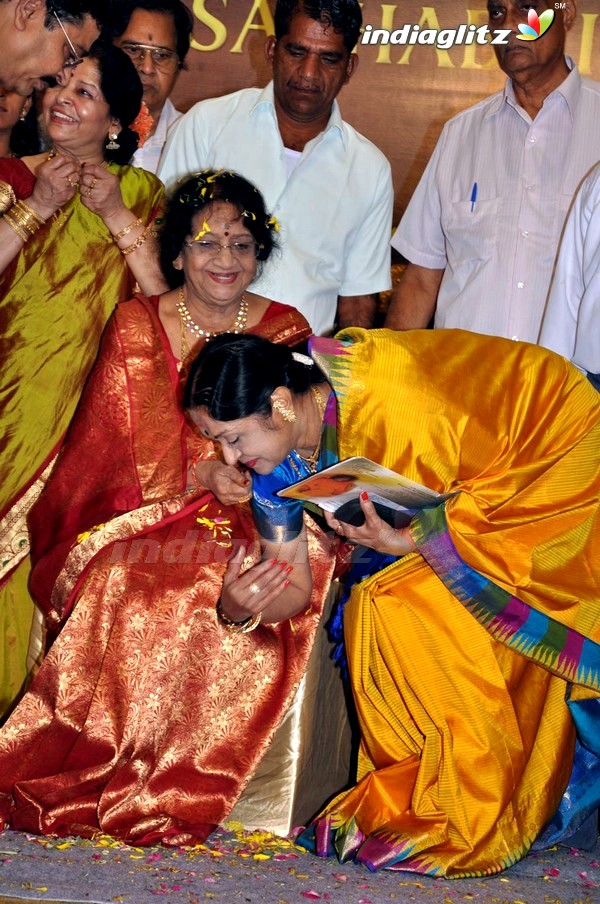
{"type": "Point", "coordinates": [126, 230]}
{"type": "Point", "coordinates": [238, 627]}
{"type": "Point", "coordinates": [26, 217]}
{"type": "Point", "coordinates": [7, 197]}
{"type": "Point", "coordinates": [16, 227]}
{"type": "Point", "coordinates": [135, 245]}
{"type": "Point", "coordinates": [30, 212]}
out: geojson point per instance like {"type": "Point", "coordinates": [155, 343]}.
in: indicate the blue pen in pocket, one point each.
{"type": "Point", "coordinates": [473, 196]}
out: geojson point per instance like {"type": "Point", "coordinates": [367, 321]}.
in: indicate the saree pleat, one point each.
{"type": "Point", "coordinates": [462, 653]}
{"type": "Point", "coordinates": [55, 299]}
{"type": "Point", "coordinates": [147, 718]}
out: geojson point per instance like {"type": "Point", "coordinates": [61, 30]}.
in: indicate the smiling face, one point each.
{"type": "Point", "coordinates": [537, 61]}
{"type": "Point", "coordinates": [310, 66]}
{"type": "Point", "coordinates": [152, 29]}
{"type": "Point", "coordinates": [76, 116]}
{"type": "Point", "coordinates": [217, 279]}
{"type": "Point", "coordinates": [256, 442]}
{"type": "Point", "coordinates": [36, 50]}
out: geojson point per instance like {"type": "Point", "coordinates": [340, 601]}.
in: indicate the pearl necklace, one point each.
{"type": "Point", "coordinates": [238, 325]}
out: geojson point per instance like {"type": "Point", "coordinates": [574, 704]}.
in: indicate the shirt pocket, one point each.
{"type": "Point", "coordinates": [471, 230]}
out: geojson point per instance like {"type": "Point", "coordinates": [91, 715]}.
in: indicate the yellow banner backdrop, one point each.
{"type": "Point", "coordinates": [400, 97]}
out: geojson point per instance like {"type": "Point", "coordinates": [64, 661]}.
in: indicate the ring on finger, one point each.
{"type": "Point", "coordinates": [254, 588]}
{"type": "Point", "coordinates": [71, 183]}
{"type": "Point", "coordinates": [92, 183]}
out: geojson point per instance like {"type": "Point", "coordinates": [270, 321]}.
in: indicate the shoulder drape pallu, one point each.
{"type": "Point", "coordinates": [463, 654]}
{"type": "Point", "coordinates": [147, 717]}
{"type": "Point", "coordinates": [55, 298]}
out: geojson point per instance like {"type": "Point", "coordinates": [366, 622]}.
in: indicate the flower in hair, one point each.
{"type": "Point", "coordinates": [274, 224]}
{"type": "Point", "coordinates": [203, 231]}
{"type": "Point", "coordinates": [302, 359]}
{"type": "Point", "coordinates": [143, 124]}
{"type": "Point", "coordinates": [249, 215]}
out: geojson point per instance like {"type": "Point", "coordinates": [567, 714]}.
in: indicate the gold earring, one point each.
{"type": "Point", "coordinates": [288, 414]}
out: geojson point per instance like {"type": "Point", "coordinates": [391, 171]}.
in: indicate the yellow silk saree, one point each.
{"type": "Point", "coordinates": [463, 654]}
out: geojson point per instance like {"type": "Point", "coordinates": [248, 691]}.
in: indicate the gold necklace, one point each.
{"type": "Point", "coordinates": [312, 461]}
{"type": "Point", "coordinates": [238, 325]}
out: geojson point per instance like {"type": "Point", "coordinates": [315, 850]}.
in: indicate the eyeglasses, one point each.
{"type": "Point", "coordinates": [162, 58]}
{"type": "Point", "coordinates": [239, 250]}
{"type": "Point", "coordinates": [74, 58]}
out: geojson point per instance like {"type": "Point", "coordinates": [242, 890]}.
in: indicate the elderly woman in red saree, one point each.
{"type": "Point", "coordinates": [150, 713]}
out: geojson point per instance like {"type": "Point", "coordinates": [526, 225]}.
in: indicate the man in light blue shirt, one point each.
{"type": "Point", "coordinates": [482, 229]}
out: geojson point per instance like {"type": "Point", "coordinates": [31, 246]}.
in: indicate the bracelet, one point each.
{"type": "Point", "coordinates": [126, 230]}
{"type": "Point", "coordinates": [29, 212]}
{"type": "Point", "coordinates": [201, 456]}
{"type": "Point", "coordinates": [135, 245]}
{"type": "Point", "coordinates": [26, 217]}
{"type": "Point", "coordinates": [7, 196]}
{"type": "Point", "coordinates": [238, 627]}
{"type": "Point", "coordinates": [16, 227]}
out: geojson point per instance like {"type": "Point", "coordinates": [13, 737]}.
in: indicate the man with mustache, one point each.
{"type": "Point", "coordinates": [329, 187]}
{"type": "Point", "coordinates": [39, 37]}
{"type": "Point", "coordinates": [482, 229]}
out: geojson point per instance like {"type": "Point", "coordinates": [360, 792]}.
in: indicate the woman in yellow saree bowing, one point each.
{"type": "Point", "coordinates": [473, 640]}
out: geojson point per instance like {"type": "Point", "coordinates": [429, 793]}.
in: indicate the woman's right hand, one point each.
{"type": "Point", "coordinates": [247, 593]}
{"type": "Point", "coordinates": [228, 484]}
{"type": "Point", "coordinates": [57, 180]}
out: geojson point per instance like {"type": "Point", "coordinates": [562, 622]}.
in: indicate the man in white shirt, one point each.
{"type": "Point", "coordinates": [571, 324]}
{"type": "Point", "coordinates": [482, 229]}
{"type": "Point", "coordinates": [39, 38]}
{"type": "Point", "coordinates": [157, 38]}
{"type": "Point", "coordinates": [328, 186]}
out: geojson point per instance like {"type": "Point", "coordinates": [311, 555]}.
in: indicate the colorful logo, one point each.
{"type": "Point", "coordinates": [537, 25]}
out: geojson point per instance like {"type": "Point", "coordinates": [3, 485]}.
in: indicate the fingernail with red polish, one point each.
{"type": "Point", "coordinates": [289, 568]}
{"type": "Point", "coordinates": [283, 564]}
{"type": "Point", "coordinates": [365, 496]}
{"type": "Point", "coordinates": [273, 562]}
{"type": "Point", "coordinates": [286, 584]}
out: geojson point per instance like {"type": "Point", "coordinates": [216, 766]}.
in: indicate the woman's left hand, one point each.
{"type": "Point", "coordinates": [374, 533]}
{"type": "Point", "coordinates": [101, 191]}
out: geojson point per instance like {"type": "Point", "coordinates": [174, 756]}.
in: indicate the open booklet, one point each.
{"type": "Point", "coordinates": [337, 489]}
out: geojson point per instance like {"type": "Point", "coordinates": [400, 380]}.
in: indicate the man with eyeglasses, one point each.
{"type": "Point", "coordinates": [40, 37]}
{"type": "Point", "coordinates": [157, 38]}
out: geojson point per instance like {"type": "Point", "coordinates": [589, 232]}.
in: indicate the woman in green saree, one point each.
{"type": "Point", "coordinates": [75, 236]}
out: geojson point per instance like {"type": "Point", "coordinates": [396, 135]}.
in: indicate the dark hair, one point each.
{"type": "Point", "coordinates": [25, 136]}
{"type": "Point", "coordinates": [75, 11]}
{"type": "Point", "coordinates": [198, 192]}
{"type": "Point", "coordinates": [344, 16]}
{"type": "Point", "coordinates": [234, 376]}
{"type": "Point", "coordinates": [180, 14]}
{"type": "Point", "coordinates": [122, 90]}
